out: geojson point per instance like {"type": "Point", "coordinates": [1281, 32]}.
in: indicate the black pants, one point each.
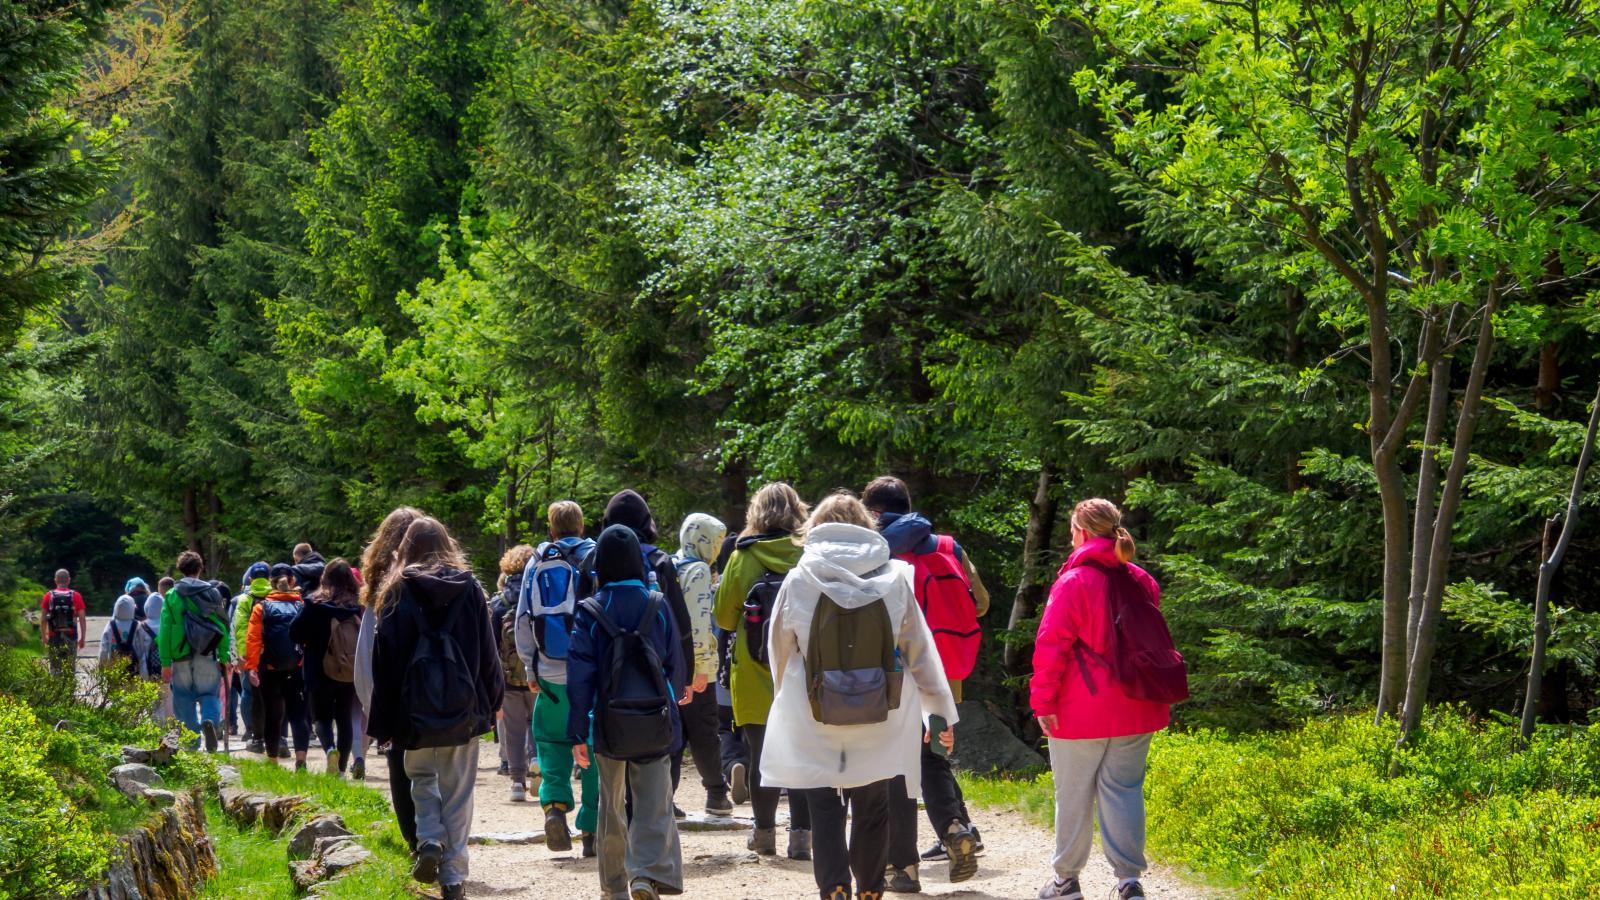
{"type": "Point", "coordinates": [405, 811]}
{"type": "Point", "coordinates": [731, 738]}
{"type": "Point", "coordinates": [764, 800]}
{"type": "Point", "coordinates": [334, 705]}
{"type": "Point", "coordinates": [940, 794]}
{"type": "Point", "coordinates": [867, 854]}
{"type": "Point", "coordinates": [700, 739]}
{"type": "Point", "coordinates": [283, 698]}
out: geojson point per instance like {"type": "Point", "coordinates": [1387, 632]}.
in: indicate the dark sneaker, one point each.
{"type": "Point", "coordinates": [1133, 890]}
{"type": "Point", "coordinates": [643, 889]}
{"type": "Point", "coordinates": [962, 846]}
{"type": "Point", "coordinates": [800, 844]}
{"type": "Point", "coordinates": [256, 745]}
{"type": "Point", "coordinates": [208, 732]}
{"type": "Point", "coordinates": [739, 783]}
{"type": "Point", "coordinates": [556, 834]}
{"type": "Point", "coordinates": [358, 769]}
{"type": "Point", "coordinates": [976, 837]}
{"type": "Point", "coordinates": [1055, 889]}
{"type": "Point", "coordinates": [678, 813]}
{"type": "Point", "coordinates": [453, 892]}
{"type": "Point", "coordinates": [717, 802]}
{"type": "Point", "coordinates": [430, 855]}
{"type": "Point", "coordinates": [505, 768]}
{"type": "Point", "coordinates": [588, 845]}
{"type": "Point", "coordinates": [903, 881]}
{"type": "Point", "coordinates": [936, 853]}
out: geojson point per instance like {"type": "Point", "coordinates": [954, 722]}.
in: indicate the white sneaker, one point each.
{"type": "Point", "coordinates": [519, 792]}
{"type": "Point", "coordinates": [1055, 889]}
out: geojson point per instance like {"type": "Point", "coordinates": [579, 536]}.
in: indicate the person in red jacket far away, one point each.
{"type": "Point", "coordinates": [1093, 704]}
{"type": "Point", "coordinates": [63, 623]}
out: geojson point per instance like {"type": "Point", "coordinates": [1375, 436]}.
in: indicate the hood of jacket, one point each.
{"type": "Point", "coordinates": [701, 537]}
{"type": "Point", "coordinates": [907, 533]}
{"type": "Point", "coordinates": [437, 587]}
{"type": "Point", "coordinates": [135, 582]}
{"type": "Point", "coordinates": [284, 596]}
{"type": "Point", "coordinates": [260, 587]}
{"type": "Point", "coordinates": [629, 508]}
{"type": "Point", "coordinates": [777, 552]}
{"type": "Point", "coordinates": [1102, 550]}
{"type": "Point", "coordinates": [618, 556]}
{"type": "Point", "coordinates": [124, 609]}
{"type": "Point", "coordinates": [191, 587]}
{"type": "Point", "coordinates": [849, 563]}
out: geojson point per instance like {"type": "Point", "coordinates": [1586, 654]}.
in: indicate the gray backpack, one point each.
{"type": "Point", "coordinates": [853, 674]}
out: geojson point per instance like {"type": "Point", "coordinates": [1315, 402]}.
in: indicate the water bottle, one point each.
{"type": "Point", "coordinates": [654, 582]}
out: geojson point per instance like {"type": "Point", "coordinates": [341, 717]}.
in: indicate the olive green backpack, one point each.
{"type": "Point", "coordinates": [853, 674]}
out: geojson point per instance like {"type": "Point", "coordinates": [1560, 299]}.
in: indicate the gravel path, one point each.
{"type": "Point", "coordinates": [717, 866]}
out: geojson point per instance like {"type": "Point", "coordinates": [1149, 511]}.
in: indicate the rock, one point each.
{"type": "Point", "coordinates": [304, 843]}
{"type": "Point", "coordinates": [166, 752]}
{"type": "Point", "coordinates": [702, 822]}
{"type": "Point", "coordinates": [344, 856]}
{"type": "Point", "coordinates": [158, 797]}
{"type": "Point", "coordinates": [228, 776]}
{"type": "Point", "coordinates": [168, 858]}
{"type": "Point", "coordinates": [984, 744]}
{"type": "Point", "coordinates": [137, 755]}
{"type": "Point", "coordinates": [244, 807]}
{"type": "Point", "coordinates": [507, 837]}
{"type": "Point", "coordinates": [305, 873]}
{"type": "Point", "coordinates": [133, 778]}
{"type": "Point", "coordinates": [278, 812]}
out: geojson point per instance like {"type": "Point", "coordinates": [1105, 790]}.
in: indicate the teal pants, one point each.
{"type": "Point", "coordinates": [555, 758]}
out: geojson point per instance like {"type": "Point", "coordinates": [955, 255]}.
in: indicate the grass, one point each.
{"type": "Point", "coordinates": [1312, 812]}
{"type": "Point", "coordinates": [255, 864]}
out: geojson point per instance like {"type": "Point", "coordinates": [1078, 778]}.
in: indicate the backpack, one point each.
{"type": "Point", "coordinates": [439, 692]}
{"type": "Point", "coordinates": [200, 629]}
{"type": "Point", "coordinates": [61, 614]}
{"type": "Point", "coordinates": [945, 596]}
{"type": "Point", "coordinates": [554, 598]}
{"type": "Point", "coordinates": [1141, 654]}
{"type": "Point", "coordinates": [339, 663]}
{"type": "Point", "coordinates": [633, 718]}
{"type": "Point", "coordinates": [758, 603]}
{"type": "Point", "coordinates": [279, 652]}
{"type": "Point", "coordinates": [122, 649]}
{"type": "Point", "coordinates": [510, 660]}
{"type": "Point", "coordinates": [852, 674]}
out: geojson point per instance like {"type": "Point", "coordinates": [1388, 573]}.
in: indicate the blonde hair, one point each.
{"type": "Point", "coordinates": [515, 560]}
{"type": "Point", "coordinates": [776, 507]}
{"type": "Point", "coordinates": [379, 553]}
{"type": "Point", "coordinates": [840, 506]}
{"type": "Point", "coordinates": [565, 518]}
{"type": "Point", "coordinates": [1101, 518]}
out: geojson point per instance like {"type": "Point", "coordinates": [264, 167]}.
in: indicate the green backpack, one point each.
{"type": "Point", "coordinates": [853, 674]}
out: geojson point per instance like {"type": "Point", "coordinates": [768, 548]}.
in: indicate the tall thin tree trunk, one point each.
{"type": "Point", "coordinates": [1544, 393]}
{"type": "Point", "coordinates": [191, 518]}
{"type": "Point", "coordinates": [1422, 522]}
{"type": "Point", "coordinates": [508, 529]}
{"type": "Point", "coordinates": [1396, 563]}
{"type": "Point", "coordinates": [214, 529]}
{"type": "Point", "coordinates": [1547, 574]}
{"type": "Point", "coordinates": [1035, 550]}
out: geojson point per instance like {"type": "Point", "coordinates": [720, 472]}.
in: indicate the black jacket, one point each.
{"type": "Point", "coordinates": [311, 630]}
{"type": "Point", "coordinates": [433, 591]}
{"type": "Point", "coordinates": [308, 572]}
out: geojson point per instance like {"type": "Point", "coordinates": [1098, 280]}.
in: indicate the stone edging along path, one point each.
{"type": "Point", "coordinates": [320, 850]}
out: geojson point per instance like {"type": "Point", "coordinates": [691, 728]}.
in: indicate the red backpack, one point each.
{"type": "Point", "coordinates": [945, 595]}
{"type": "Point", "coordinates": [1141, 654]}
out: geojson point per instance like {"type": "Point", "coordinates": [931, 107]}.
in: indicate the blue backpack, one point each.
{"type": "Point", "coordinates": [550, 594]}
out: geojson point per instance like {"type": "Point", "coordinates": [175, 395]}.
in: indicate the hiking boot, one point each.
{"type": "Point", "coordinates": [800, 843]}
{"type": "Point", "coordinates": [452, 892]}
{"type": "Point", "coordinates": [1056, 889]}
{"type": "Point", "coordinates": [557, 837]}
{"type": "Point", "coordinates": [519, 792]}
{"type": "Point", "coordinates": [1133, 890]}
{"type": "Point", "coordinates": [643, 889]}
{"type": "Point", "coordinates": [763, 841]}
{"type": "Point", "coordinates": [962, 846]}
{"type": "Point", "coordinates": [425, 868]}
{"type": "Point", "coordinates": [208, 731]}
{"type": "Point", "coordinates": [255, 745]}
{"type": "Point", "coordinates": [739, 783]}
{"type": "Point", "coordinates": [588, 845]}
{"type": "Point", "coordinates": [333, 761]}
{"type": "Point", "coordinates": [837, 892]}
{"type": "Point", "coordinates": [870, 895]}
{"type": "Point", "coordinates": [358, 769]}
{"type": "Point", "coordinates": [717, 802]}
{"type": "Point", "coordinates": [937, 853]}
{"type": "Point", "coordinates": [903, 881]}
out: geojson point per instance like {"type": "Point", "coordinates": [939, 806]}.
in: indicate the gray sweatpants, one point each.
{"type": "Point", "coordinates": [1110, 771]}
{"type": "Point", "coordinates": [516, 732]}
{"type": "Point", "coordinates": [441, 787]}
{"type": "Point", "coordinates": [647, 845]}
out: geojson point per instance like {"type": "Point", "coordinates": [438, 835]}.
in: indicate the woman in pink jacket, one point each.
{"type": "Point", "coordinates": [1099, 736]}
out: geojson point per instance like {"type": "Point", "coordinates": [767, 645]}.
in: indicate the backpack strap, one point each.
{"type": "Point", "coordinates": [598, 613]}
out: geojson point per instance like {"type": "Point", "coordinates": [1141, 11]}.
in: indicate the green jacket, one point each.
{"type": "Point", "coordinates": [170, 640]}
{"type": "Point", "coordinates": [751, 682]}
{"type": "Point", "coordinates": [241, 615]}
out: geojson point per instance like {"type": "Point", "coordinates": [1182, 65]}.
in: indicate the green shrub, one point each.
{"type": "Point", "coordinates": [48, 846]}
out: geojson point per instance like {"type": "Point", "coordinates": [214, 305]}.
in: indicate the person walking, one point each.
{"type": "Point", "coordinates": [857, 673]}
{"type": "Point", "coordinates": [138, 591]}
{"type": "Point", "coordinates": [699, 540]}
{"type": "Point", "coordinates": [626, 678]}
{"type": "Point", "coordinates": [275, 661]}
{"type": "Point", "coordinates": [952, 599]}
{"type": "Point", "coordinates": [516, 711]}
{"type": "Point", "coordinates": [1099, 735]}
{"type": "Point", "coordinates": [63, 624]}
{"type": "Point", "coordinates": [377, 561]}
{"type": "Point", "coordinates": [308, 568]}
{"type": "Point", "coordinates": [153, 603]}
{"type": "Point", "coordinates": [128, 643]}
{"type": "Point", "coordinates": [327, 628]}
{"type": "Point", "coordinates": [755, 571]}
{"type": "Point", "coordinates": [554, 580]}
{"type": "Point", "coordinates": [195, 647]}
{"type": "Point", "coordinates": [436, 684]}
{"type": "Point", "coordinates": [258, 584]}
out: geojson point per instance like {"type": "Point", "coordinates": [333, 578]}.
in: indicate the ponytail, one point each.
{"type": "Point", "coordinates": [1101, 518]}
{"type": "Point", "coordinates": [1125, 546]}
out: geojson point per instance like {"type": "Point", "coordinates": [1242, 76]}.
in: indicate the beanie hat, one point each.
{"type": "Point", "coordinates": [628, 508]}
{"type": "Point", "coordinates": [617, 556]}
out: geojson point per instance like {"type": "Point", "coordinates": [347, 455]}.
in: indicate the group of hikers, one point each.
{"type": "Point", "coordinates": [816, 656]}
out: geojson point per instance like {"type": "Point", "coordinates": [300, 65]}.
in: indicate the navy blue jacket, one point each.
{"type": "Point", "coordinates": [588, 658]}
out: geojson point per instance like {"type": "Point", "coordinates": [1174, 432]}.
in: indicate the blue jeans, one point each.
{"type": "Point", "coordinates": [197, 682]}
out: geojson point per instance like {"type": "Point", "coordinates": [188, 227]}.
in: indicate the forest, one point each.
{"type": "Point", "coordinates": [1310, 288]}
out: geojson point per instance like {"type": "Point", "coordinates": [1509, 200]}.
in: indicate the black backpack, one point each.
{"type": "Point", "coordinates": [122, 649]}
{"type": "Point", "coordinates": [439, 691]}
{"type": "Point", "coordinates": [279, 652]}
{"type": "Point", "coordinates": [633, 718]}
{"type": "Point", "coordinates": [62, 614]}
{"type": "Point", "coordinates": [758, 603]}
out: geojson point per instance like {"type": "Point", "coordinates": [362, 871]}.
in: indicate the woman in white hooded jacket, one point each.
{"type": "Point", "coordinates": [846, 565]}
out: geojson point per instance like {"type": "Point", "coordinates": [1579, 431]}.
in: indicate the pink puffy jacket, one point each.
{"type": "Point", "coordinates": [1062, 677]}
